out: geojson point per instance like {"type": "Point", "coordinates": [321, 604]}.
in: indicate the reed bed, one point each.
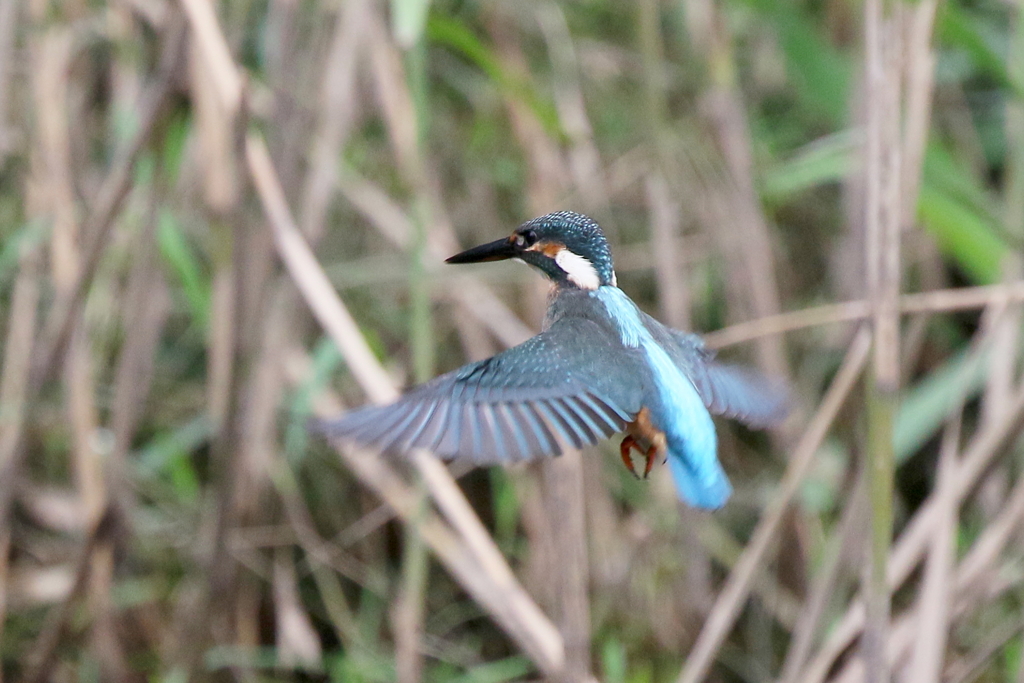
{"type": "Point", "coordinates": [220, 221]}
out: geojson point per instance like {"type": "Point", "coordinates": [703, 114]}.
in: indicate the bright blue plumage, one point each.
{"type": "Point", "coordinates": [676, 409]}
{"type": "Point", "coordinates": [600, 366]}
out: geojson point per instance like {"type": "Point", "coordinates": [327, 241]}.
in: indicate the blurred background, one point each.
{"type": "Point", "coordinates": [177, 178]}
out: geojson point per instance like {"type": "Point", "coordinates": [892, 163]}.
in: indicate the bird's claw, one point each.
{"type": "Point", "coordinates": [627, 445]}
{"type": "Point", "coordinates": [624, 451]}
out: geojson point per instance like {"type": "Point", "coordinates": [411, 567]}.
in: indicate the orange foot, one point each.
{"type": "Point", "coordinates": [650, 455]}
{"type": "Point", "coordinates": [627, 445]}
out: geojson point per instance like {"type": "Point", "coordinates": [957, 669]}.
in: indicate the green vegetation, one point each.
{"type": "Point", "coordinates": [166, 513]}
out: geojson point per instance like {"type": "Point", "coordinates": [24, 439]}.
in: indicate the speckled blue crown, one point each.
{"type": "Point", "coordinates": [581, 235]}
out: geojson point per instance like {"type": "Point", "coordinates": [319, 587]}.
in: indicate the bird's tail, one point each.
{"type": "Point", "coordinates": [703, 487]}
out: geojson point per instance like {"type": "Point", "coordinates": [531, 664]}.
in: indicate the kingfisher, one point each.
{"type": "Point", "coordinates": [599, 367]}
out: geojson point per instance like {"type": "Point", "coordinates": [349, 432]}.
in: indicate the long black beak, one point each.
{"type": "Point", "coordinates": [498, 250]}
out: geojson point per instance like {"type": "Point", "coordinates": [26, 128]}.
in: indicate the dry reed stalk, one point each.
{"type": "Point", "coordinates": [839, 552]}
{"type": "Point", "coordinates": [737, 587]}
{"type": "Point", "coordinates": [547, 177]}
{"type": "Point", "coordinates": [401, 226]}
{"type": "Point", "coordinates": [1014, 184]}
{"type": "Point", "coordinates": [971, 668]}
{"type": "Point", "coordinates": [919, 66]}
{"type": "Point", "coordinates": [408, 607]}
{"type": "Point", "coordinates": [936, 586]}
{"type": "Point", "coordinates": [296, 638]}
{"type": "Point", "coordinates": [977, 579]}
{"type": "Point", "coordinates": [583, 157]}
{"type": "Point", "coordinates": [337, 113]}
{"type": "Point", "coordinates": [665, 212]}
{"type": "Point", "coordinates": [215, 132]}
{"type": "Point", "coordinates": [147, 306]}
{"type": "Point", "coordinates": [987, 443]}
{"type": "Point", "coordinates": [752, 262]}
{"type": "Point", "coordinates": [310, 279]}
{"type": "Point", "coordinates": [1004, 370]}
{"type": "Point", "coordinates": [938, 301]}
{"type": "Point", "coordinates": [334, 118]}
{"type": "Point", "coordinates": [569, 578]}
{"type": "Point", "coordinates": [882, 228]}
{"type": "Point", "coordinates": [9, 20]}
{"type": "Point", "coordinates": [919, 91]}
{"type": "Point", "coordinates": [102, 212]}
{"type": "Point", "coordinates": [258, 449]}
{"type": "Point", "coordinates": [521, 617]}
{"type": "Point", "coordinates": [278, 321]}
{"type": "Point", "coordinates": [54, 176]}
{"type": "Point", "coordinates": [673, 291]}
{"type": "Point", "coordinates": [474, 296]}
{"type": "Point", "coordinates": [559, 561]}
{"type": "Point", "coordinates": [401, 80]}
{"type": "Point", "coordinates": [234, 482]}
{"type": "Point", "coordinates": [485, 576]}
{"type": "Point", "coordinates": [41, 658]}
{"type": "Point", "coordinates": [21, 330]}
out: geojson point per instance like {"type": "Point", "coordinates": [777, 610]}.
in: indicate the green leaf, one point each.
{"type": "Point", "coordinates": [453, 34]}
{"type": "Point", "coordinates": [820, 73]}
{"type": "Point", "coordinates": [957, 28]}
{"type": "Point", "coordinates": [827, 160]}
{"type": "Point", "coordinates": [613, 660]}
{"type": "Point", "coordinates": [408, 18]}
{"type": "Point", "coordinates": [962, 234]}
{"type": "Point", "coordinates": [262, 657]}
{"type": "Point", "coordinates": [507, 669]}
{"type": "Point", "coordinates": [179, 255]}
{"type": "Point", "coordinates": [326, 358]}
{"type": "Point", "coordinates": [31, 233]}
{"type": "Point", "coordinates": [944, 172]}
{"type": "Point", "coordinates": [170, 454]}
{"type": "Point", "coordinates": [926, 406]}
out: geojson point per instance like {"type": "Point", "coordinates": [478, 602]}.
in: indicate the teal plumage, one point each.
{"type": "Point", "coordinates": [600, 366]}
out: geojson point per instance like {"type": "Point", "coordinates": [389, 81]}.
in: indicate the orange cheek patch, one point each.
{"type": "Point", "coordinates": [549, 249]}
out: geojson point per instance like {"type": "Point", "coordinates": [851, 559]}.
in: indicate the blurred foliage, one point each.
{"type": "Point", "coordinates": [516, 109]}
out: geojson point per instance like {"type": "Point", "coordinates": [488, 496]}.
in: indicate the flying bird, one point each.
{"type": "Point", "coordinates": [600, 367]}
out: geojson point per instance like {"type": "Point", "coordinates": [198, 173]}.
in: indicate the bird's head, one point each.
{"type": "Point", "coordinates": [566, 246]}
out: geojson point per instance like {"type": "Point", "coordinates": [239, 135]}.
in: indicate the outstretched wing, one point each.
{"type": "Point", "coordinates": [732, 391]}
{"type": "Point", "coordinates": [571, 385]}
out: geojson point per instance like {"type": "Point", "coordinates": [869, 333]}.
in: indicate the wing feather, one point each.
{"type": "Point", "coordinates": [585, 417]}
{"type": "Point", "coordinates": [435, 429]}
{"type": "Point", "coordinates": [732, 391]}
{"type": "Point", "coordinates": [412, 434]}
{"type": "Point", "coordinates": [493, 450]}
{"type": "Point", "coordinates": [513, 425]}
{"type": "Point", "coordinates": [396, 436]}
{"type": "Point", "coordinates": [566, 386]}
{"type": "Point", "coordinates": [548, 443]}
{"type": "Point", "coordinates": [573, 431]}
{"type": "Point", "coordinates": [532, 441]}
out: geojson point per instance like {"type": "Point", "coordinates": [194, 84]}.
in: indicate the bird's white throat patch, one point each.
{"type": "Point", "coordinates": [579, 269]}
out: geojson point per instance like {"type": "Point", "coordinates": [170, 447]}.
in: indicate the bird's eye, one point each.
{"type": "Point", "coordinates": [525, 239]}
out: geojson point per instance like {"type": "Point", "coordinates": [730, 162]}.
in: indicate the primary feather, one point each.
{"type": "Point", "coordinates": [535, 399]}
